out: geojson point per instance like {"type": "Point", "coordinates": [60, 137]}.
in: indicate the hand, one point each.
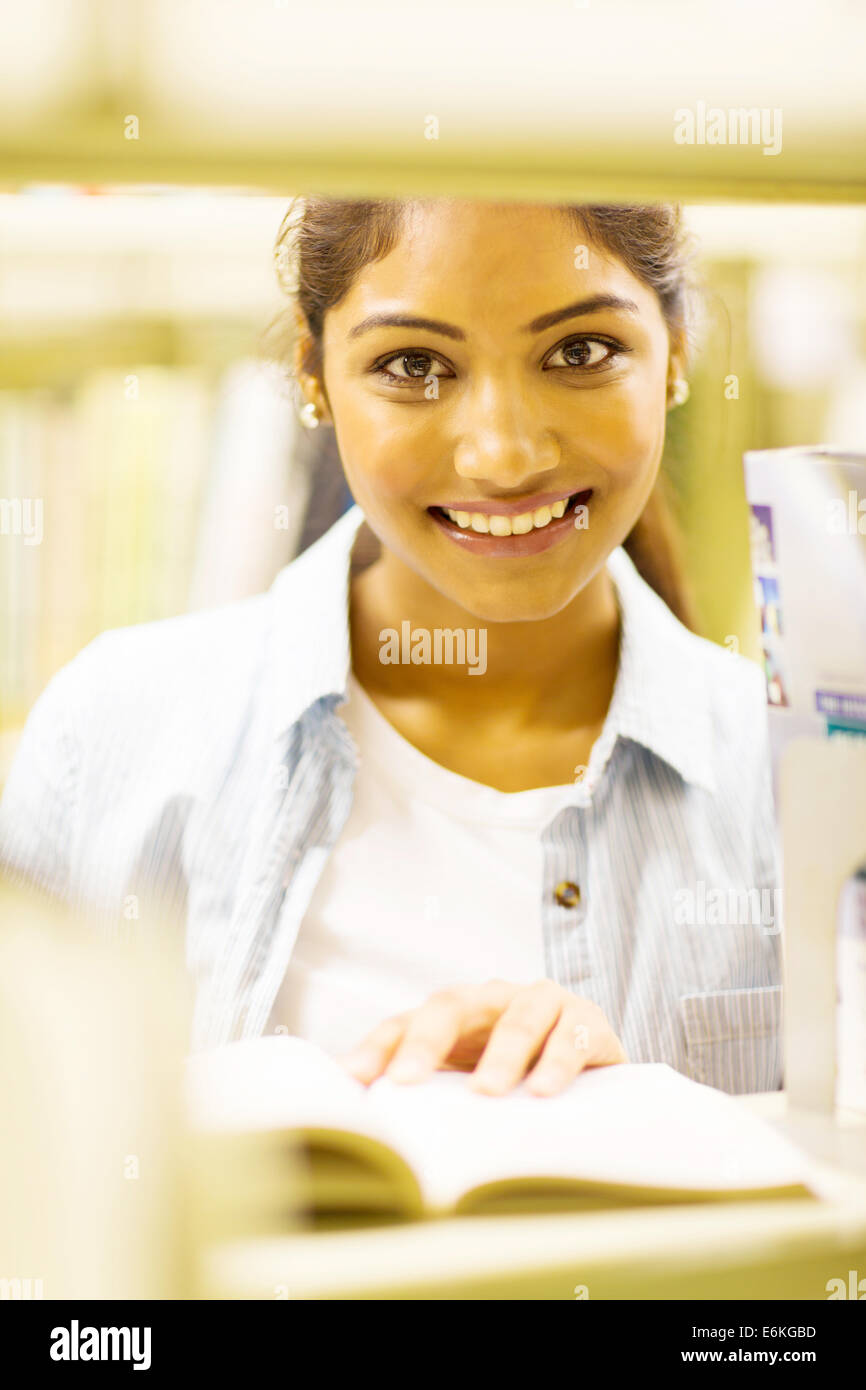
{"type": "Point", "coordinates": [542, 1029]}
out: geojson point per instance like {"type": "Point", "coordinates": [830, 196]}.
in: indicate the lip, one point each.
{"type": "Point", "coordinates": [501, 507]}
{"type": "Point", "coordinates": [532, 543]}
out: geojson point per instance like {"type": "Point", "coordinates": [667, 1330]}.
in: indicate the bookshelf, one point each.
{"type": "Point", "coordinates": [344, 97]}
{"type": "Point", "coordinates": [140, 421]}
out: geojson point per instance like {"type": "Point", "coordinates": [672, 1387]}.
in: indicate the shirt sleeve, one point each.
{"type": "Point", "coordinates": [39, 808]}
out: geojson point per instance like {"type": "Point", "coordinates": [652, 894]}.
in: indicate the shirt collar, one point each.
{"type": "Point", "coordinates": [660, 698]}
{"type": "Point", "coordinates": [310, 638]}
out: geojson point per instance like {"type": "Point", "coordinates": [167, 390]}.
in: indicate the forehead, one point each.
{"type": "Point", "coordinates": [512, 262]}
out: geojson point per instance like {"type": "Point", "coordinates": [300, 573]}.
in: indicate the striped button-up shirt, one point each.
{"type": "Point", "coordinates": [196, 769]}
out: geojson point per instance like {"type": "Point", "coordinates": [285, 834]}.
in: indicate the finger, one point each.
{"type": "Point", "coordinates": [517, 1037]}
{"type": "Point", "coordinates": [369, 1059]}
{"type": "Point", "coordinates": [446, 1026]}
{"type": "Point", "coordinates": [430, 1035]}
{"type": "Point", "coordinates": [582, 1038]}
{"type": "Point", "coordinates": [483, 1004]}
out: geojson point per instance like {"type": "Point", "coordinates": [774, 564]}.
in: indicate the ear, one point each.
{"type": "Point", "coordinates": [677, 362]}
{"type": "Point", "coordinates": [306, 369]}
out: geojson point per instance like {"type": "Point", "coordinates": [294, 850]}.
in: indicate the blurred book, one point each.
{"type": "Point", "coordinates": [130, 496]}
{"type": "Point", "coordinates": [808, 541]}
{"type": "Point", "coordinates": [617, 1136]}
{"type": "Point", "coordinates": [258, 487]}
{"type": "Point", "coordinates": [114, 465]}
{"type": "Point", "coordinates": [808, 544]}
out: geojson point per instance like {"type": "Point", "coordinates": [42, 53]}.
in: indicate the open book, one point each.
{"type": "Point", "coordinates": [619, 1135]}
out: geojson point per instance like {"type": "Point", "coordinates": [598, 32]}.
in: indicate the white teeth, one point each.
{"type": "Point", "coordinates": [508, 525]}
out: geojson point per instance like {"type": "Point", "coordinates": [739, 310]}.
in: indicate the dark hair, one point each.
{"type": "Point", "coordinates": [323, 243]}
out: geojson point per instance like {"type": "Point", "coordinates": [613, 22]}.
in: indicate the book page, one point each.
{"type": "Point", "coordinates": [274, 1083]}
{"type": "Point", "coordinates": [636, 1124]}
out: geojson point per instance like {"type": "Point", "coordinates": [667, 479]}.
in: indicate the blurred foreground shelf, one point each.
{"type": "Point", "coordinates": [544, 100]}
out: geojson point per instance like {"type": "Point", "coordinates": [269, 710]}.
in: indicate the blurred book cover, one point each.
{"type": "Point", "coordinates": [808, 546]}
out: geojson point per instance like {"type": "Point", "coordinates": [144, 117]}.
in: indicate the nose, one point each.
{"type": "Point", "coordinates": [503, 438]}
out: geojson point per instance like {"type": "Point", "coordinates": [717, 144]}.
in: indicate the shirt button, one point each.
{"type": "Point", "coordinates": [567, 894]}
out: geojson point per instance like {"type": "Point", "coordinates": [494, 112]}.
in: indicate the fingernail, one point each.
{"type": "Point", "coordinates": [355, 1062]}
{"type": "Point", "coordinates": [406, 1069]}
{"type": "Point", "coordinates": [543, 1085]}
{"type": "Point", "coordinates": [492, 1079]}
{"type": "Point", "coordinates": [550, 1081]}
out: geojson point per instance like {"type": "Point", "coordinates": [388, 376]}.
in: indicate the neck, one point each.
{"type": "Point", "coordinates": [558, 670]}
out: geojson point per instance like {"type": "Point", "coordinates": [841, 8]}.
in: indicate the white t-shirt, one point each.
{"type": "Point", "coordinates": [434, 881]}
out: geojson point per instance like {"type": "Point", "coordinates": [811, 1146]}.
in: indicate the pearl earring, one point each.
{"type": "Point", "coordinates": [309, 416]}
{"type": "Point", "coordinates": [680, 391]}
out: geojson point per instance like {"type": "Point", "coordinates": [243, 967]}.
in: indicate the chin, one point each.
{"type": "Point", "coordinates": [525, 603]}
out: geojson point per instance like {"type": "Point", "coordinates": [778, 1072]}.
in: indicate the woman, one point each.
{"type": "Point", "coordinates": [454, 791]}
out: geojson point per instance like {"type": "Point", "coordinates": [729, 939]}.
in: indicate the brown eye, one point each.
{"type": "Point", "coordinates": [408, 365]}
{"type": "Point", "coordinates": [584, 352]}
{"type": "Point", "coordinates": [578, 354]}
{"type": "Point", "coordinates": [417, 366]}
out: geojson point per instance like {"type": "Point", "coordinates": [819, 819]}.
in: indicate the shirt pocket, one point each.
{"type": "Point", "coordinates": [734, 1038]}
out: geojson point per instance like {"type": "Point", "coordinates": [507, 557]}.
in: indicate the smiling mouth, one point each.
{"type": "Point", "coordinates": [488, 523]}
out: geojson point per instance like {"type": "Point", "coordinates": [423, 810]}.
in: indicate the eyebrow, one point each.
{"type": "Point", "coordinates": [582, 306]}
{"type": "Point", "coordinates": [538, 325]}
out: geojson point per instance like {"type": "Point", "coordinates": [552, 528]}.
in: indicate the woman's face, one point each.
{"type": "Point", "coordinates": [493, 364]}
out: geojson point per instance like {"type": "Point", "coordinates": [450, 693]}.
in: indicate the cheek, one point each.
{"type": "Point", "coordinates": [386, 453]}
{"type": "Point", "coordinates": [623, 430]}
